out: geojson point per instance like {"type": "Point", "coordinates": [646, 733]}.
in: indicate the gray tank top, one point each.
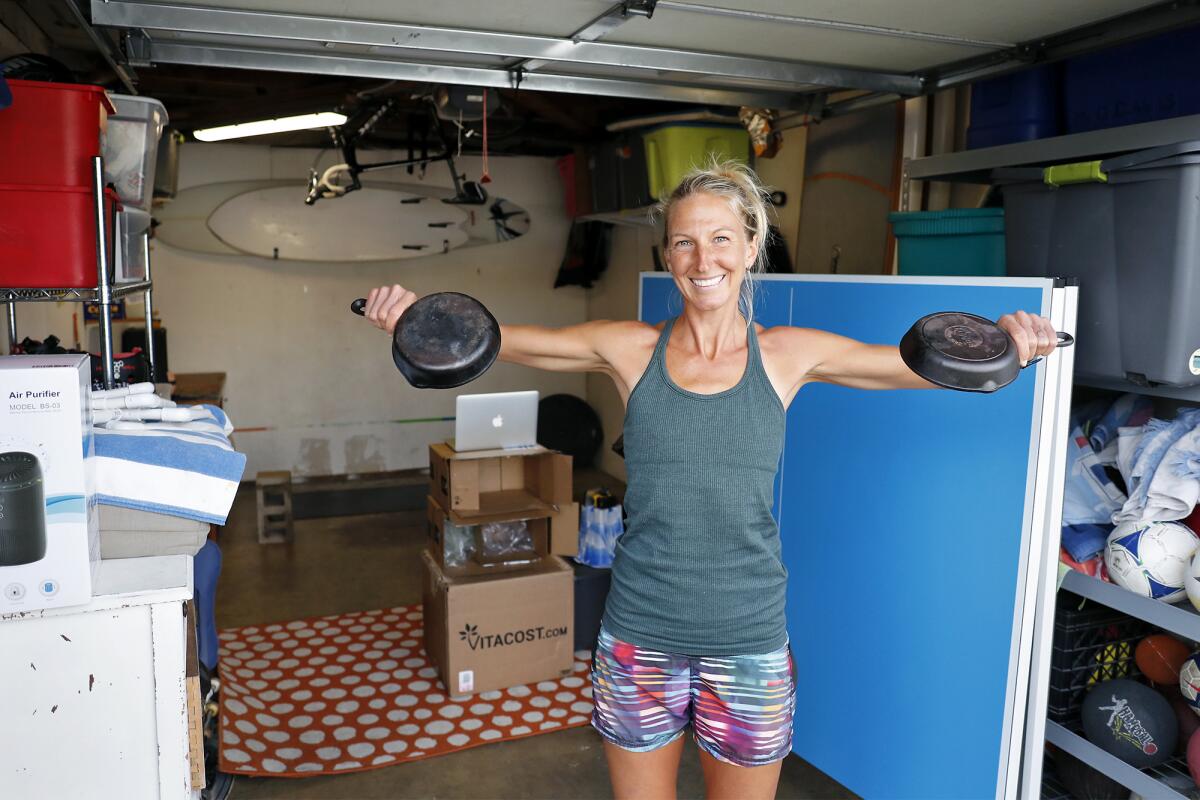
{"type": "Point", "coordinates": [698, 570]}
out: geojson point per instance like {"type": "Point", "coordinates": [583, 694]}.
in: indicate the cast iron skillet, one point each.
{"type": "Point", "coordinates": [963, 351]}
{"type": "Point", "coordinates": [443, 340]}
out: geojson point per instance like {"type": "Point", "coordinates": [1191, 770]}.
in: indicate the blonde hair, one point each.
{"type": "Point", "coordinates": [747, 198]}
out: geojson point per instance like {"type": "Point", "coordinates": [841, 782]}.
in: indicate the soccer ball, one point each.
{"type": "Point", "coordinates": [1191, 580]}
{"type": "Point", "coordinates": [1151, 558]}
{"type": "Point", "coordinates": [1189, 681]}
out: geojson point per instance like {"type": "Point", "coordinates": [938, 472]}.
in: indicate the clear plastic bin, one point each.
{"type": "Point", "coordinates": [131, 148]}
{"type": "Point", "coordinates": [130, 260]}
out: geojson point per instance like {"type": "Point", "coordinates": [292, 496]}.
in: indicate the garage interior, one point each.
{"type": "Point", "coordinates": [512, 124]}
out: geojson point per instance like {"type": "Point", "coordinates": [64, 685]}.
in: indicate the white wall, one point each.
{"type": "Point", "coordinates": [310, 386]}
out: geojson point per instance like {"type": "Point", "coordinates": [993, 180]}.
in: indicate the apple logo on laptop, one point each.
{"type": "Point", "coordinates": [497, 421]}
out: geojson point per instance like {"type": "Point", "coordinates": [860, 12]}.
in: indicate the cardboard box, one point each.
{"type": "Point", "coordinates": [486, 633]}
{"type": "Point", "coordinates": [564, 530]}
{"type": "Point", "coordinates": [455, 544]}
{"type": "Point", "coordinates": [486, 482]}
{"type": "Point", "coordinates": [455, 541]}
{"type": "Point", "coordinates": [49, 536]}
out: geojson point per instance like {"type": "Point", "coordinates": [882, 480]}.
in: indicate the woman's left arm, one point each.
{"type": "Point", "coordinates": [847, 362]}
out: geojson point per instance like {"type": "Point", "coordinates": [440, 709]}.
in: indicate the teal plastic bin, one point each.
{"type": "Point", "coordinates": [958, 241]}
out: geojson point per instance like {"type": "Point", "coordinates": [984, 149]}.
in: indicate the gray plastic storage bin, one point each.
{"type": "Point", "coordinates": [1129, 229]}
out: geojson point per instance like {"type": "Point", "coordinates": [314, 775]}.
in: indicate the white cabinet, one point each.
{"type": "Point", "coordinates": [94, 697]}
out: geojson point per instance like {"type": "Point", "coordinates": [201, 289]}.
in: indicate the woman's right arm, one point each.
{"type": "Point", "coordinates": [586, 347]}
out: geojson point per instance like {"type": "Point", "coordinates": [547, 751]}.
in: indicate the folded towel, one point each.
{"type": "Point", "coordinates": [1174, 488]}
{"type": "Point", "coordinates": [187, 469]}
{"type": "Point", "coordinates": [1156, 440]}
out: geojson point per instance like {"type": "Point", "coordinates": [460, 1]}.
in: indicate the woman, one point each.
{"type": "Point", "coordinates": [694, 628]}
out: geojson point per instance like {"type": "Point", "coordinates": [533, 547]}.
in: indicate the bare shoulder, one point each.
{"type": "Point", "coordinates": [787, 340]}
{"type": "Point", "coordinates": [626, 333]}
{"type": "Point", "coordinates": [790, 353]}
{"type": "Point", "coordinates": [626, 347]}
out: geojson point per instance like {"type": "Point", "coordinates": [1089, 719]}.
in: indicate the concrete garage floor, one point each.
{"type": "Point", "coordinates": [369, 561]}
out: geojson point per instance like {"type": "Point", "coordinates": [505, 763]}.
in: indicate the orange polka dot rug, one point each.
{"type": "Point", "coordinates": [356, 691]}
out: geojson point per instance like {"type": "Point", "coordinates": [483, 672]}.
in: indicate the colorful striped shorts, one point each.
{"type": "Point", "coordinates": [740, 707]}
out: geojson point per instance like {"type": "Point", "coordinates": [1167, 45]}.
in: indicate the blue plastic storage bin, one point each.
{"type": "Point", "coordinates": [1142, 81]}
{"type": "Point", "coordinates": [957, 241]}
{"type": "Point", "coordinates": [1016, 108]}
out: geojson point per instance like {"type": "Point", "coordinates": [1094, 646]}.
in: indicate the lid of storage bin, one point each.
{"type": "Point", "coordinates": [143, 109]}
{"type": "Point", "coordinates": [19, 87]}
{"type": "Point", "coordinates": [666, 126]}
{"type": "Point", "coordinates": [949, 222]}
{"type": "Point", "coordinates": [1177, 153]}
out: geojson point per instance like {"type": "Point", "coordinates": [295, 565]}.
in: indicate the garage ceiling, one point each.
{"type": "Point", "coordinates": [569, 66]}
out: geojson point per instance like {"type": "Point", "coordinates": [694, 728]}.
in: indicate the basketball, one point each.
{"type": "Point", "coordinates": [1160, 658]}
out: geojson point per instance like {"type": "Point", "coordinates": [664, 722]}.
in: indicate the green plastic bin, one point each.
{"type": "Point", "coordinates": [958, 241]}
{"type": "Point", "coordinates": [674, 150]}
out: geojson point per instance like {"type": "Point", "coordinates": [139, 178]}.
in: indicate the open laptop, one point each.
{"type": "Point", "coordinates": [493, 421]}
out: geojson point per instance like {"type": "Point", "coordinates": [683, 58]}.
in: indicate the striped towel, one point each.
{"type": "Point", "coordinates": [185, 469]}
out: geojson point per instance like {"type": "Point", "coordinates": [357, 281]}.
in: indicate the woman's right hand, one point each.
{"type": "Point", "coordinates": [385, 305]}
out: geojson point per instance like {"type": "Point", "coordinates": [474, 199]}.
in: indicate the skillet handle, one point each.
{"type": "Point", "coordinates": [359, 307]}
{"type": "Point", "coordinates": [1064, 340]}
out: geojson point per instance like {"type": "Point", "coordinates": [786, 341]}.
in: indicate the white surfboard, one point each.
{"type": "Point", "coordinates": [268, 219]}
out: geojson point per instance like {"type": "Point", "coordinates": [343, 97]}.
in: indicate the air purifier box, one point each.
{"type": "Point", "coordinates": [49, 536]}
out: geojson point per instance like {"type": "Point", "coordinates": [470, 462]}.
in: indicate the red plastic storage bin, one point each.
{"type": "Point", "coordinates": [48, 236]}
{"type": "Point", "coordinates": [51, 133]}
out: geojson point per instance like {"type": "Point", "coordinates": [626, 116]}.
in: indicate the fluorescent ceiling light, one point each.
{"type": "Point", "coordinates": [301, 123]}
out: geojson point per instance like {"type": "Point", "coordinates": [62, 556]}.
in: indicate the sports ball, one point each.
{"type": "Point", "coordinates": [1084, 781]}
{"type": "Point", "coordinates": [1160, 658]}
{"type": "Point", "coordinates": [1191, 581]}
{"type": "Point", "coordinates": [1131, 721]}
{"type": "Point", "coordinates": [1193, 756]}
{"type": "Point", "coordinates": [1189, 681]}
{"type": "Point", "coordinates": [1189, 721]}
{"type": "Point", "coordinates": [1151, 558]}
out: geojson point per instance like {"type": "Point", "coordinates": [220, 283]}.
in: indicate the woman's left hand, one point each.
{"type": "Point", "coordinates": [1034, 335]}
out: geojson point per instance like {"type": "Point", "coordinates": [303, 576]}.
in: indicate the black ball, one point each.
{"type": "Point", "coordinates": [1085, 782]}
{"type": "Point", "coordinates": [1133, 722]}
{"type": "Point", "coordinates": [569, 425]}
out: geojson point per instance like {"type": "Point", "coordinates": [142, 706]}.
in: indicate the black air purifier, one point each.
{"type": "Point", "coordinates": [22, 509]}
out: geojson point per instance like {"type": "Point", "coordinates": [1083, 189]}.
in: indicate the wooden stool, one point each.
{"type": "Point", "coordinates": [274, 493]}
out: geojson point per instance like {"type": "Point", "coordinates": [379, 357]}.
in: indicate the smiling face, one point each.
{"type": "Point", "coordinates": [708, 251]}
